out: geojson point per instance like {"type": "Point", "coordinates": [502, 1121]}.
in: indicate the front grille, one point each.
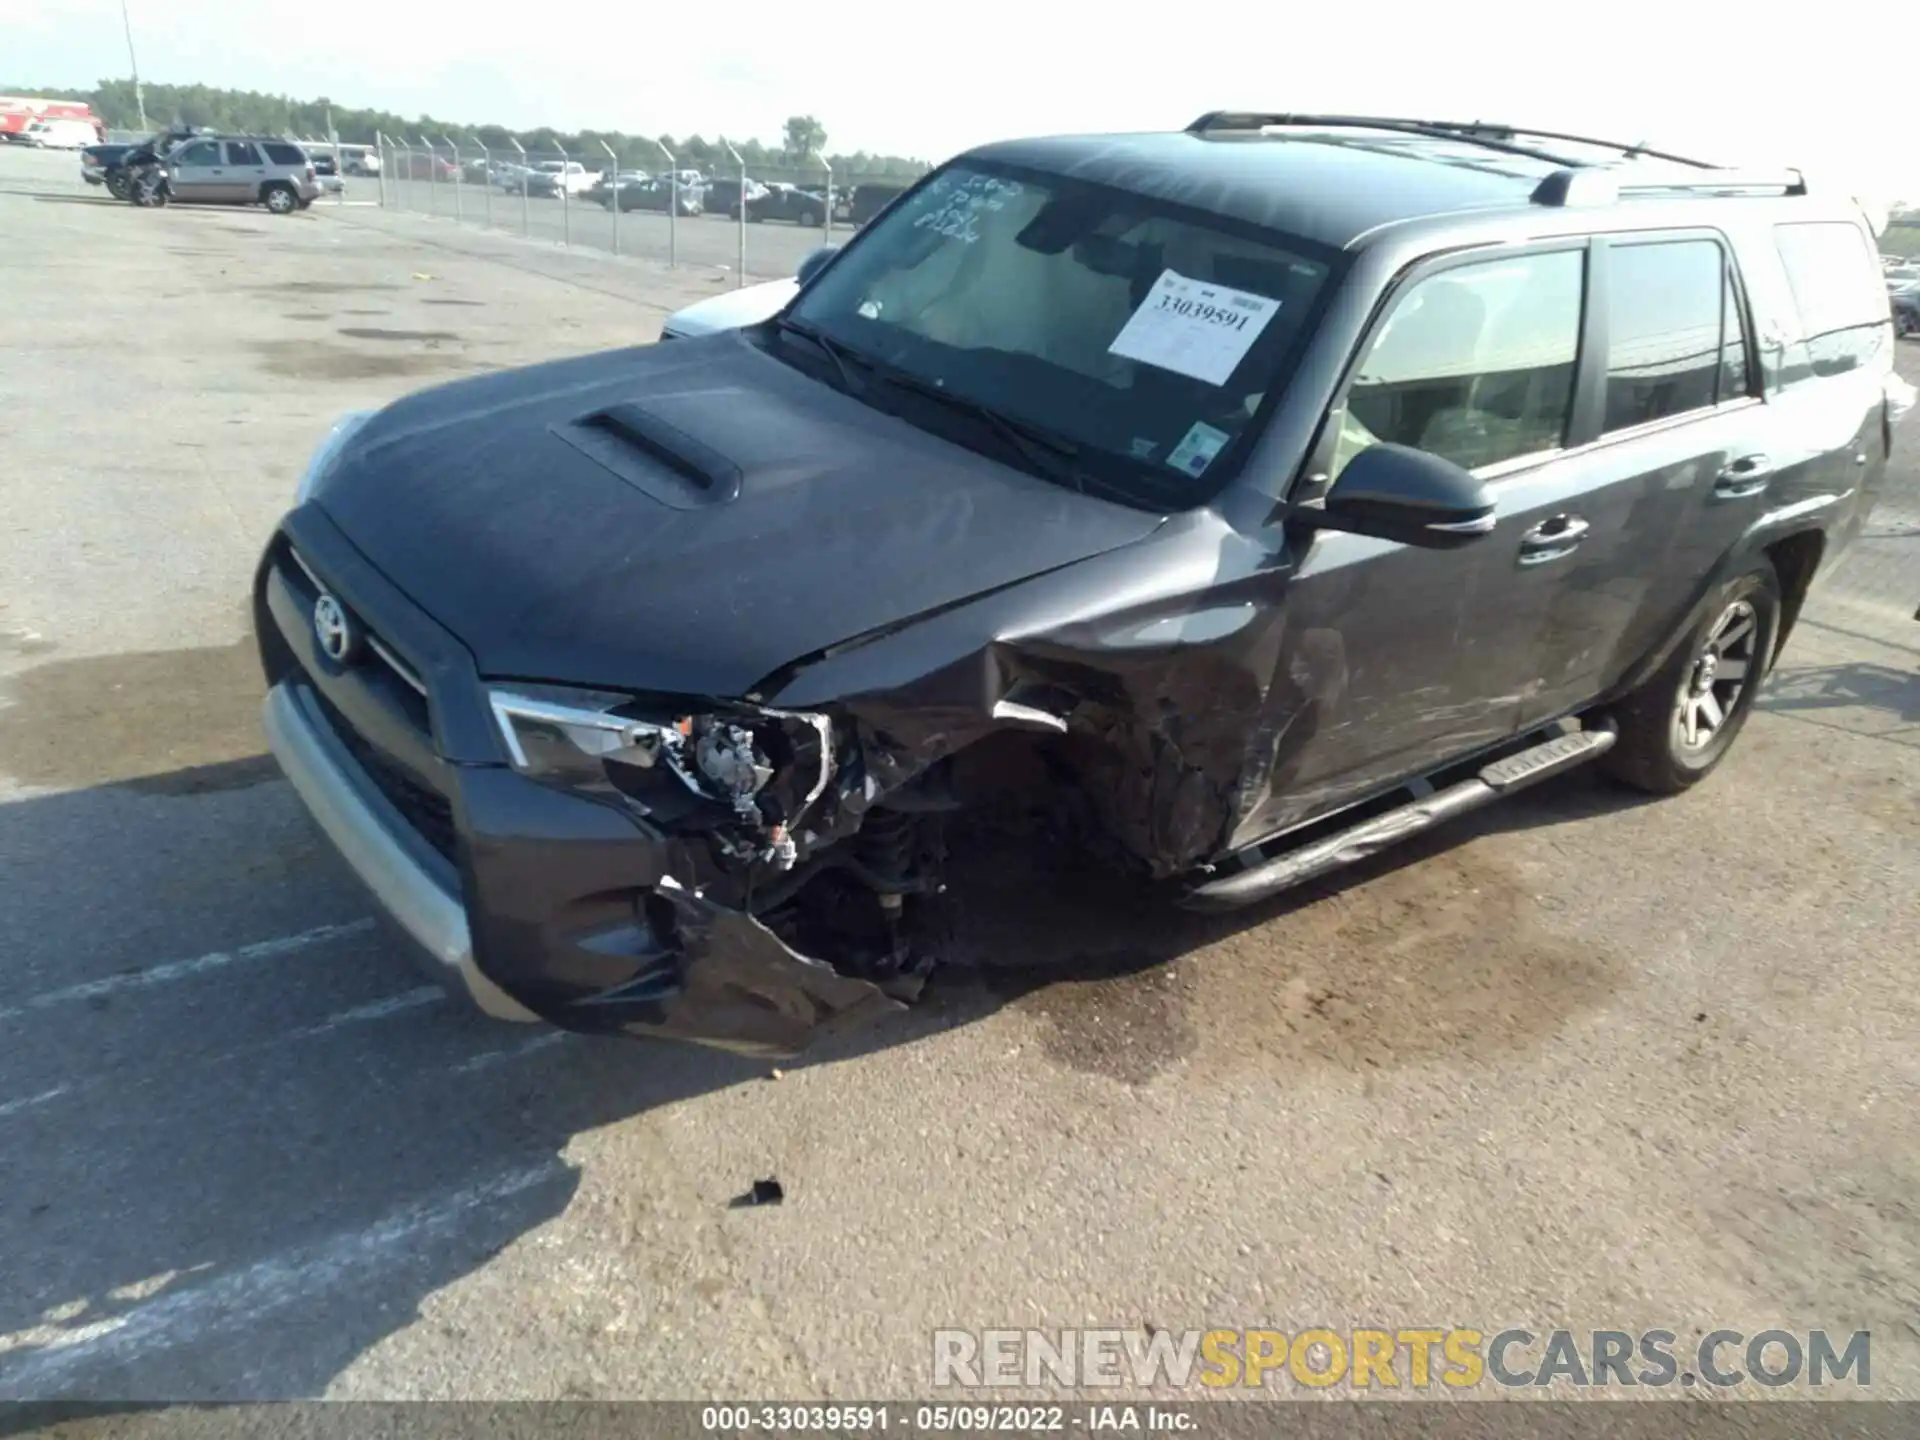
{"type": "Point", "coordinates": [381, 652]}
{"type": "Point", "coordinates": [428, 811]}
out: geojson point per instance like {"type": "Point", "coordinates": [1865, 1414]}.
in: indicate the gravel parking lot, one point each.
{"type": "Point", "coordinates": [1579, 1061]}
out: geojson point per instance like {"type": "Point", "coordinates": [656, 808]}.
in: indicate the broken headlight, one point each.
{"type": "Point", "coordinates": [768, 767]}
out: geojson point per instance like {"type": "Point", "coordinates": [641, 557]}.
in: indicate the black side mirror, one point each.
{"type": "Point", "coordinates": [1394, 492]}
{"type": "Point", "coordinates": [815, 263]}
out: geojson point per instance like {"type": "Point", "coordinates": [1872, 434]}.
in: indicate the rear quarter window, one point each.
{"type": "Point", "coordinates": [1834, 274]}
{"type": "Point", "coordinates": [284, 154]}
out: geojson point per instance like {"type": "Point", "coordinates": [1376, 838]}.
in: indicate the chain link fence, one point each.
{"type": "Point", "coordinates": [754, 221]}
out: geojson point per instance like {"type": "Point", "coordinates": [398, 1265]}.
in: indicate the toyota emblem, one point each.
{"type": "Point", "coordinates": [335, 632]}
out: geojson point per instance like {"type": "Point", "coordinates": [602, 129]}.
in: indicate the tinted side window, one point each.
{"type": "Point", "coordinates": [1475, 364]}
{"type": "Point", "coordinates": [1664, 325]}
{"type": "Point", "coordinates": [281, 154]}
{"type": "Point", "coordinates": [1837, 290]}
{"type": "Point", "coordinates": [239, 152]}
{"type": "Point", "coordinates": [201, 152]}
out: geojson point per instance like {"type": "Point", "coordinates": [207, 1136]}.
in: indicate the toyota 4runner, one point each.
{"type": "Point", "coordinates": [1275, 489]}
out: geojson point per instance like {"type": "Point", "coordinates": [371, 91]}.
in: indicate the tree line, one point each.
{"type": "Point", "coordinates": [803, 140]}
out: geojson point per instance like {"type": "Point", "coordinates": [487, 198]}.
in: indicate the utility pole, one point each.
{"type": "Point", "coordinates": [139, 96]}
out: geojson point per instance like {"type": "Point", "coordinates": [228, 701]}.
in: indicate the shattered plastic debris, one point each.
{"type": "Point", "coordinates": [764, 1192]}
{"type": "Point", "coordinates": [748, 991]}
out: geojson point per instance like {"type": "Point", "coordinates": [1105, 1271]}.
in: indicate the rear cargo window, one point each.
{"type": "Point", "coordinates": [1838, 291]}
{"type": "Point", "coordinates": [284, 154]}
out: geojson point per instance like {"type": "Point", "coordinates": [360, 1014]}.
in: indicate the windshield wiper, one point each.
{"type": "Point", "coordinates": [1052, 455]}
{"type": "Point", "coordinates": [832, 349]}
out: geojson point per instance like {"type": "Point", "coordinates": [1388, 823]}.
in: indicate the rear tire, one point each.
{"type": "Point", "coordinates": [1679, 725]}
{"type": "Point", "coordinates": [280, 200]}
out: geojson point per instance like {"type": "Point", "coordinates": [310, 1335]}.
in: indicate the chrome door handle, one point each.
{"type": "Point", "coordinates": [1552, 538]}
{"type": "Point", "coordinates": [1746, 476]}
{"type": "Point", "coordinates": [1560, 530]}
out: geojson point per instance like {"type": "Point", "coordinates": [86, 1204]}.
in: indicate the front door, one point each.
{"type": "Point", "coordinates": [198, 171]}
{"type": "Point", "coordinates": [1397, 658]}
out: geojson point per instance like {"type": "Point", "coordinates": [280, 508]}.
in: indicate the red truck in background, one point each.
{"type": "Point", "coordinates": [19, 111]}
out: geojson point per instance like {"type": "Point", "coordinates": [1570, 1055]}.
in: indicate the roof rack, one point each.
{"type": "Point", "coordinates": [1604, 184]}
{"type": "Point", "coordinates": [1573, 182]}
{"type": "Point", "coordinates": [1475, 132]}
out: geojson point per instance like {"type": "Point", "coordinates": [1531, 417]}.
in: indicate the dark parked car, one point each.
{"type": "Point", "coordinates": [1249, 498]}
{"type": "Point", "coordinates": [869, 198]}
{"type": "Point", "coordinates": [723, 196]}
{"type": "Point", "coordinates": [325, 163]}
{"type": "Point", "coordinates": [106, 164]}
{"type": "Point", "coordinates": [1905, 300]}
{"type": "Point", "coordinates": [789, 202]}
{"type": "Point", "coordinates": [655, 195]}
{"type": "Point", "coordinates": [98, 162]}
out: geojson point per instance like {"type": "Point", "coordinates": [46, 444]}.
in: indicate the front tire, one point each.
{"type": "Point", "coordinates": [1679, 725]}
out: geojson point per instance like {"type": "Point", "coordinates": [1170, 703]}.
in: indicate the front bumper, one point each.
{"type": "Point", "coordinates": [534, 902]}
{"type": "Point", "coordinates": [414, 885]}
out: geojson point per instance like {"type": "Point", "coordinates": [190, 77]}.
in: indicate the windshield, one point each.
{"type": "Point", "coordinates": [1142, 338]}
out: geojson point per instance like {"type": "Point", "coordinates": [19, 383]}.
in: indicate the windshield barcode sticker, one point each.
{"type": "Point", "coordinates": [1194, 328]}
{"type": "Point", "coordinates": [1195, 453]}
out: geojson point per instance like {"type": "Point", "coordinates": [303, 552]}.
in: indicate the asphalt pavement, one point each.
{"type": "Point", "coordinates": [1579, 1060]}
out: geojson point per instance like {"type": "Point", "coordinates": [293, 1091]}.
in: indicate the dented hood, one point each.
{"type": "Point", "coordinates": [687, 517]}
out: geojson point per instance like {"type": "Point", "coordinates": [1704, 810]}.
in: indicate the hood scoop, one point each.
{"type": "Point", "coordinates": [659, 460]}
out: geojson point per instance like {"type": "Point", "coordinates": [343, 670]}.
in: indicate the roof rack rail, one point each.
{"type": "Point", "coordinates": [1604, 184]}
{"type": "Point", "coordinates": [1493, 136]}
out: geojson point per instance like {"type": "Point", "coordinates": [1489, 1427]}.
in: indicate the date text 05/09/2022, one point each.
{"type": "Point", "coordinates": [933, 1419]}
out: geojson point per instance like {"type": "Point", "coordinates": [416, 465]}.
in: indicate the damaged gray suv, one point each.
{"type": "Point", "coordinates": [1275, 489]}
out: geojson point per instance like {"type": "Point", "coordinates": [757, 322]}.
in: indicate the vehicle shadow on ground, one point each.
{"type": "Point", "coordinates": [244, 1139]}
{"type": "Point", "coordinates": [1841, 687]}
{"type": "Point", "coordinates": [234, 1168]}
{"type": "Point", "coordinates": [1877, 702]}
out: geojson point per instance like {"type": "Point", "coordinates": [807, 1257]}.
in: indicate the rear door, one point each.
{"type": "Point", "coordinates": [1669, 464]}
{"type": "Point", "coordinates": [246, 172]}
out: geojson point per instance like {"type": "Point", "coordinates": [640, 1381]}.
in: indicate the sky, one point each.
{"type": "Point", "coordinates": [1728, 83]}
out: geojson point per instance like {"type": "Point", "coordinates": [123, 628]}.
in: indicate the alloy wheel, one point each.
{"type": "Point", "coordinates": [1714, 684]}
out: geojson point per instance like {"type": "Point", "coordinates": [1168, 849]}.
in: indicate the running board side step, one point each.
{"type": "Point", "coordinates": [1495, 781]}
